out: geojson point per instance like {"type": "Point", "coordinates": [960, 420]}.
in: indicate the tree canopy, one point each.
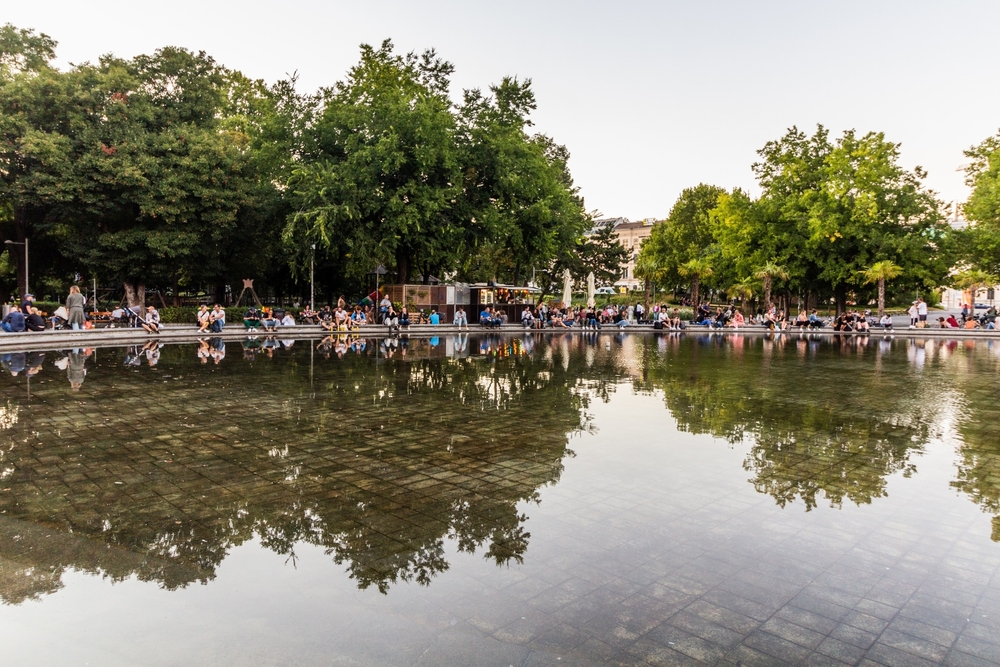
{"type": "Point", "coordinates": [171, 171]}
{"type": "Point", "coordinates": [828, 210]}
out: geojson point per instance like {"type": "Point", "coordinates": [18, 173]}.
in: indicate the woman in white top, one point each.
{"type": "Point", "coordinates": [288, 320]}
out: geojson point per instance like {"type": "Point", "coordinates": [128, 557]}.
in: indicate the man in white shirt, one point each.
{"type": "Point", "coordinates": [218, 317]}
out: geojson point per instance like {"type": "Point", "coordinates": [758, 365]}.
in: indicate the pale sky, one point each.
{"type": "Point", "coordinates": [649, 97]}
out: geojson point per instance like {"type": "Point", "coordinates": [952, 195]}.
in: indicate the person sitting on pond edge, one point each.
{"type": "Point", "coordinates": [218, 319]}
{"type": "Point", "coordinates": [204, 319]}
{"type": "Point", "coordinates": [251, 319]}
{"type": "Point", "coordinates": [461, 319]}
{"type": "Point", "coordinates": [152, 321]}
{"type": "Point", "coordinates": [14, 321]}
{"type": "Point", "coordinates": [33, 320]}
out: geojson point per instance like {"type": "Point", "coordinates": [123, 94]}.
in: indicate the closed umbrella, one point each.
{"type": "Point", "coordinates": [590, 290]}
{"type": "Point", "coordinates": [567, 289]}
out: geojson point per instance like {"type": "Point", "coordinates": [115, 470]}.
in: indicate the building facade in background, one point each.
{"type": "Point", "coordinates": [631, 235]}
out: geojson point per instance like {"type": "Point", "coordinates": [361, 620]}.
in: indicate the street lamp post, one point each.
{"type": "Point", "coordinates": [312, 281]}
{"type": "Point", "coordinates": [25, 244]}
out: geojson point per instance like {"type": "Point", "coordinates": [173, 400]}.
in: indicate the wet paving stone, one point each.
{"type": "Point", "coordinates": [549, 500]}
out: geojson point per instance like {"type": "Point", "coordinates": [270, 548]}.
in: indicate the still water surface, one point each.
{"type": "Point", "coordinates": [465, 500]}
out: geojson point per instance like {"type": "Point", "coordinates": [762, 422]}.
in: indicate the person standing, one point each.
{"type": "Point", "coordinates": [922, 313]}
{"type": "Point", "coordinates": [912, 311]}
{"type": "Point", "coordinates": [74, 304]}
{"type": "Point", "coordinates": [383, 307]}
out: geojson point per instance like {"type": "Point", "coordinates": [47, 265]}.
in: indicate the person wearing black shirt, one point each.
{"type": "Point", "coordinates": [33, 321]}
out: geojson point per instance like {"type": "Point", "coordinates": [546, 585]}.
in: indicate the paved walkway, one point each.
{"type": "Point", "coordinates": [181, 333]}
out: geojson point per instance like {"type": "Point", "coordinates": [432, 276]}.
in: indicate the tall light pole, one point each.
{"type": "Point", "coordinates": [25, 244]}
{"type": "Point", "coordinates": [312, 281]}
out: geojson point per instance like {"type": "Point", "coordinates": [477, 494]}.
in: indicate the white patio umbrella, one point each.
{"type": "Point", "coordinates": [567, 289]}
{"type": "Point", "coordinates": [590, 290]}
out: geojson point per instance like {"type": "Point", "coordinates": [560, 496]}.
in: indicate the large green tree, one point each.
{"type": "Point", "coordinates": [381, 172]}
{"type": "Point", "coordinates": [829, 209]}
{"type": "Point", "coordinates": [523, 210]}
{"type": "Point", "coordinates": [685, 239]}
{"type": "Point", "coordinates": [33, 102]}
{"type": "Point", "coordinates": [160, 185]}
{"type": "Point", "coordinates": [153, 170]}
{"type": "Point", "coordinates": [981, 242]}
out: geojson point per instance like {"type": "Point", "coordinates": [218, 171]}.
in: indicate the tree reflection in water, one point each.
{"type": "Point", "coordinates": [978, 473]}
{"type": "Point", "coordinates": [159, 472]}
{"type": "Point", "coordinates": [380, 454]}
{"type": "Point", "coordinates": [817, 425]}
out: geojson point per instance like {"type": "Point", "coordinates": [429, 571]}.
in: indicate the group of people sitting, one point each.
{"type": "Point", "coordinates": [589, 317]}
{"type": "Point", "coordinates": [23, 318]}
{"type": "Point", "coordinates": [970, 320]}
{"type": "Point", "coordinates": [268, 318]}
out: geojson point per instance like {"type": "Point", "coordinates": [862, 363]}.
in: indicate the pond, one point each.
{"type": "Point", "coordinates": [564, 499]}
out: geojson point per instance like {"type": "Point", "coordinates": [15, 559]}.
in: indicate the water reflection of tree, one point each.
{"type": "Point", "coordinates": [978, 474]}
{"type": "Point", "coordinates": [816, 425]}
{"type": "Point", "coordinates": [379, 463]}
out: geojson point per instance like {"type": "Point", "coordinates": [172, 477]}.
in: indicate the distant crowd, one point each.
{"type": "Point", "coordinates": [342, 317]}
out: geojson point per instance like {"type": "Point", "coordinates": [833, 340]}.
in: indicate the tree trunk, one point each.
{"type": "Point", "coordinates": [767, 292]}
{"type": "Point", "coordinates": [402, 267]}
{"type": "Point", "coordinates": [694, 292]}
{"type": "Point", "coordinates": [646, 306]}
{"type": "Point", "coordinates": [219, 292]}
{"type": "Point", "coordinates": [135, 294]}
{"type": "Point", "coordinates": [177, 291]}
{"type": "Point", "coordinates": [840, 297]}
{"type": "Point", "coordinates": [881, 298]}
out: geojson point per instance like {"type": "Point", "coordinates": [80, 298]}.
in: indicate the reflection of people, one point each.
{"type": "Point", "coordinates": [152, 350]}
{"type": "Point", "coordinates": [74, 304]}
{"type": "Point", "coordinates": [204, 350]}
{"type": "Point", "coordinates": [14, 362]}
{"type": "Point", "coordinates": [76, 370]}
{"type": "Point", "coordinates": [218, 350]}
{"type": "Point", "coordinates": [34, 363]}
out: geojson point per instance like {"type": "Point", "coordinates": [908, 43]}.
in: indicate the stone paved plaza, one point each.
{"type": "Point", "coordinates": [497, 501]}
